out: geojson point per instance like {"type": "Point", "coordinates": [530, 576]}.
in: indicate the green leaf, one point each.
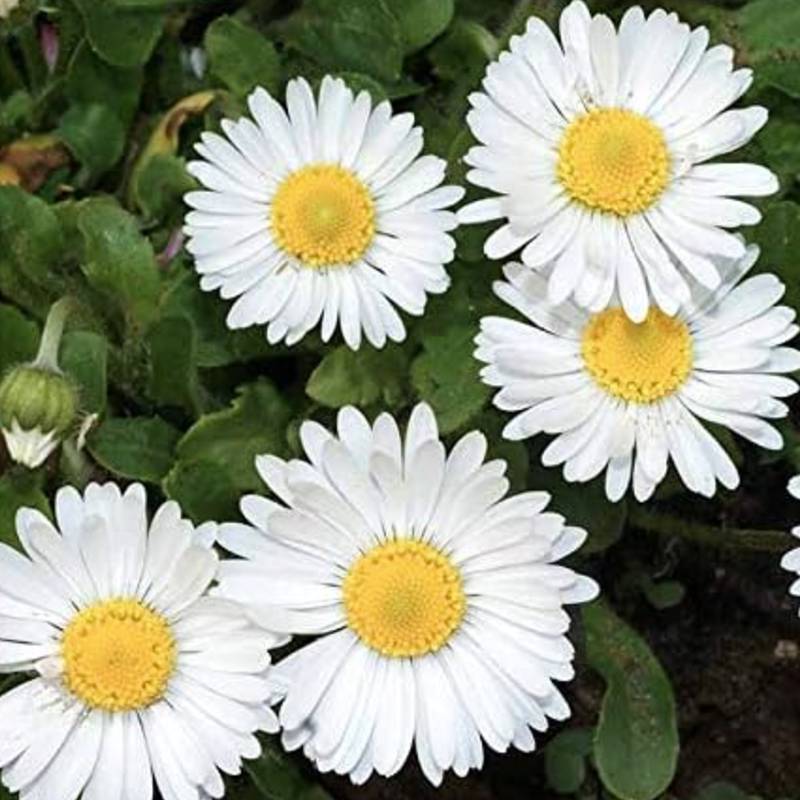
{"type": "Point", "coordinates": [277, 777]}
{"type": "Point", "coordinates": [84, 356]}
{"type": "Point", "coordinates": [204, 489]}
{"type": "Point", "coordinates": [18, 490]}
{"type": "Point", "coordinates": [240, 57]}
{"type": "Point", "coordinates": [565, 760]}
{"type": "Point", "coordinates": [421, 21]}
{"type": "Point", "coordinates": [228, 442]}
{"type": "Point", "coordinates": [636, 741]}
{"type": "Point", "coordinates": [92, 80]}
{"type": "Point", "coordinates": [119, 261]}
{"type": "Point", "coordinates": [358, 36]}
{"type": "Point", "coordinates": [161, 184]}
{"type": "Point", "coordinates": [31, 235]}
{"type": "Point", "coordinates": [782, 75]}
{"type": "Point", "coordinates": [467, 46]}
{"type": "Point", "coordinates": [19, 335]}
{"type": "Point", "coordinates": [447, 376]}
{"type": "Point", "coordinates": [779, 143]}
{"type": "Point", "coordinates": [120, 37]}
{"type": "Point", "coordinates": [95, 136]}
{"type": "Point", "coordinates": [767, 26]}
{"type": "Point", "coordinates": [663, 594]}
{"type": "Point", "coordinates": [217, 346]}
{"type": "Point", "coordinates": [360, 378]}
{"type": "Point", "coordinates": [778, 236]}
{"type": "Point", "coordinates": [173, 371]}
{"type": "Point", "coordinates": [723, 791]}
{"type": "Point", "coordinates": [137, 448]}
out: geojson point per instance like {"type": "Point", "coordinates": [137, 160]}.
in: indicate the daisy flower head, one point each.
{"type": "Point", "coordinates": [791, 560]}
{"type": "Point", "coordinates": [323, 214]}
{"type": "Point", "coordinates": [629, 397]}
{"type": "Point", "coordinates": [141, 674]}
{"type": "Point", "coordinates": [437, 601]}
{"type": "Point", "coordinates": [597, 148]}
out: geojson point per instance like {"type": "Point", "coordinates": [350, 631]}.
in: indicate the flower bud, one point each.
{"type": "Point", "coordinates": [37, 408]}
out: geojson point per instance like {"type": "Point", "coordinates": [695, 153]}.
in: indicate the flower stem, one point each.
{"type": "Point", "coordinates": [47, 357]}
{"type": "Point", "coordinates": [764, 541]}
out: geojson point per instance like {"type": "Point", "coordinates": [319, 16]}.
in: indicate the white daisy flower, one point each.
{"type": "Point", "coordinates": [325, 214]}
{"type": "Point", "coordinates": [437, 600]}
{"type": "Point", "coordinates": [791, 560]}
{"type": "Point", "coordinates": [141, 674]}
{"type": "Point", "coordinates": [612, 389]}
{"type": "Point", "coordinates": [597, 149]}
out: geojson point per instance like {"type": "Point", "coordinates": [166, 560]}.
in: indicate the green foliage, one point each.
{"type": "Point", "coordinates": [565, 760]}
{"type": "Point", "coordinates": [358, 36]}
{"type": "Point", "coordinates": [182, 403]}
{"type": "Point", "coordinates": [361, 378]}
{"type": "Point", "coordinates": [216, 457]}
{"type": "Point", "coordinates": [240, 57]}
{"type": "Point", "coordinates": [19, 490]}
{"type": "Point", "coordinates": [636, 741]}
{"type": "Point", "coordinates": [118, 261]}
{"type": "Point", "coordinates": [95, 135]}
{"type": "Point", "coordinates": [277, 778]}
{"type": "Point", "coordinates": [137, 448]}
{"type": "Point", "coordinates": [124, 38]}
{"type": "Point", "coordinates": [20, 337]}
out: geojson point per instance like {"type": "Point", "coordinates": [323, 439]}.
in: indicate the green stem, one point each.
{"type": "Point", "coordinates": [763, 541]}
{"type": "Point", "coordinates": [47, 357]}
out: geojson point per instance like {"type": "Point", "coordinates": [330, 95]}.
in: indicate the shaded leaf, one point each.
{"type": "Point", "coordinates": [359, 378]}
{"type": "Point", "coordinates": [19, 490]}
{"type": "Point", "coordinates": [119, 261]}
{"type": "Point", "coordinates": [95, 136]}
{"type": "Point", "coordinates": [447, 376]}
{"type": "Point", "coordinates": [565, 759]}
{"type": "Point", "coordinates": [173, 371]}
{"type": "Point", "coordinates": [120, 37]}
{"type": "Point", "coordinates": [636, 740]}
{"type": "Point", "coordinates": [421, 21]}
{"type": "Point", "coordinates": [84, 356]}
{"type": "Point", "coordinates": [277, 777]}
{"type": "Point", "coordinates": [137, 448]}
{"type": "Point", "coordinates": [19, 336]}
{"type": "Point", "coordinates": [204, 489]}
{"type": "Point", "coordinates": [358, 36]}
{"type": "Point", "coordinates": [230, 440]}
{"type": "Point", "coordinates": [30, 233]}
{"type": "Point", "coordinates": [240, 57]}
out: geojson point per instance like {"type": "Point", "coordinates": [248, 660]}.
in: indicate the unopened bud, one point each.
{"type": "Point", "coordinates": [37, 408]}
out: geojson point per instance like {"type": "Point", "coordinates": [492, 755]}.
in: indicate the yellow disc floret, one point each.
{"type": "Point", "coordinates": [323, 215]}
{"type": "Point", "coordinates": [118, 655]}
{"type": "Point", "coordinates": [639, 362]}
{"type": "Point", "coordinates": [404, 598]}
{"type": "Point", "coordinates": [613, 160]}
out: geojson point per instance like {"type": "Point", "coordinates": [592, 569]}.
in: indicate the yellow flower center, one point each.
{"type": "Point", "coordinates": [118, 655]}
{"type": "Point", "coordinates": [640, 362]}
{"type": "Point", "coordinates": [323, 215]}
{"type": "Point", "coordinates": [404, 598]}
{"type": "Point", "coordinates": [613, 160]}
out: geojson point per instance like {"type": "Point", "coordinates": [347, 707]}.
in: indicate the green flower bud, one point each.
{"type": "Point", "coordinates": [38, 398]}
{"type": "Point", "coordinates": [37, 408]}
{"type": "Point", "coordinates": [38, 404]}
